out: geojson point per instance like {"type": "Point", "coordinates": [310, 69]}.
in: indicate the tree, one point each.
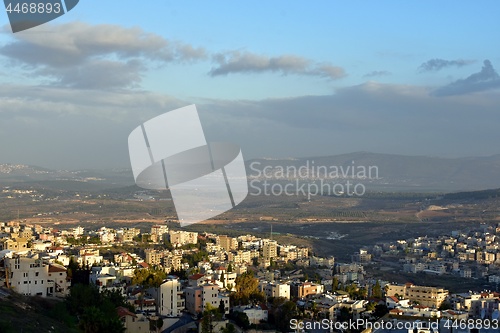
{"type": "Point", "coordinates": [241, 319]}
{"type": "Point", "coordinates": [377, 290]}
{"type": "Point", "coordinates": [96, 311]}
{"type": "Point", "coordinates": [150, 277]}
{"type": "Point", "coordinates": [335, 284]}
{"type": "Point", "coordinates": [222, 307]}
{"type": "Point", "coordinates": [344, 314]}
{"type": "Point", "coordinates": [209, 315]}
{"type": "Point", "coordinates": [229, 268]}
{"type": "Point", "coordinates": [444, 306]}
{"type": "Point", "coordinates": [284, 314]}
{"type": "Point", "coordinates": [223, 279]}
{"type": "Point", "coordinates": [229, 328]}
{"type": "Point", "coordinates": [380, 310]}
{"type": "Point", "coordinates": [246, 287]}
{"type": "Point", "coordinates": [155, 324]}
{"type": "Point", "coordinates": [370, 306]}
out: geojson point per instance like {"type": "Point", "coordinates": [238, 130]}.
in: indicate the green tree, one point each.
{"type": "Point", "coordinates": [246, 288]}
{"type": "Point", "coordinates": [210, 314]}
{"type": "Point", "coordinates": [150, 277]}
{"type": "Point", "coordinates": [229, 328]}
{"type": "Point", "coordinates": [284, 314]}
{"type": "Point", "coordinates": [335, 284]}
{"type": "Point", "coordinates": [377, 290]}
{"type": "Point", "coordinates": [380, 310]}
{"type": "Point", "coordinates": [223, 279]}
{"type": "Point", "coordinates": [241, 319]}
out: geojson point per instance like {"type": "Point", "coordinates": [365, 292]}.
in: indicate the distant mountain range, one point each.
{"type": "Point", "coordinates": [378, 172]}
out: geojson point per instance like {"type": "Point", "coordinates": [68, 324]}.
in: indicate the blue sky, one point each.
{"type": "Point", "coordinates": [281, 78]}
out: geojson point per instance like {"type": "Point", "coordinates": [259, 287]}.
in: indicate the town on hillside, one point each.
{"type": "Point", "coordinates": [168, 280]}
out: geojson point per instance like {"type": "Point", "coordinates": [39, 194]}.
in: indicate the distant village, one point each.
{"type": "Point", "coordinates": [256, 284]}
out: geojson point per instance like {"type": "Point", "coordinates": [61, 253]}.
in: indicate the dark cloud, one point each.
{"type": "Point", "coordinates": [434, 65]}
{"type": "Point", "coordinates": [82, 55]}
{"type": "Point", "coordinates": [246, 62]}
{"type": "Point", "coordinates": [70, 128]}
{"type": "Point", "coordinates": [377, 74]}
{"type": "Point", "coordinates": [486, 79]}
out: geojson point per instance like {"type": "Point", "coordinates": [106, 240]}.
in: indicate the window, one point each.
{"type": "Point", "coordinates": [36, 274]}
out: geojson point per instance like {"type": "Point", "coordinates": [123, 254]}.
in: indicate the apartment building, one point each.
{"type": "Point", "coordinates": [33, 277]}
{"type": "Point", "coordinates": [425, 296]}
{"type": "Point", "coordinates": [179, 238]}
{"type": "Point", "coordinates": [275, 289]}
{"type": "Point", "coordinates": [227, 243]}
{"type": "Point", "coordinates": [170, 298]}
{"type": "Point", "coordinates": [198, 297]}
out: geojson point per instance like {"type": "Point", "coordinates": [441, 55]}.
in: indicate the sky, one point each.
{"type": "Point", "coordinates": [278, 78]}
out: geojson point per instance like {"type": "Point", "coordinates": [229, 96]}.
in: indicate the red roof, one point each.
{"type": "Point", "coordinates": [122, 312]}
{"type": "Point", "coordinates": [396, 311]}
{"type": "Point", "coordinates": [196, 276]}
{"type": "Point", "coordinates": [394, 298]}
{"type": "Point", "coordinates": [56, 269]}
{"type": "Point", "coordinates": [144, 264]}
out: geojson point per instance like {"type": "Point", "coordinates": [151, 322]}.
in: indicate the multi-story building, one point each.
{"type": "Point", "coordinates": [127, 234]}
{"type": "Point", "coordinates": [15, 244]}
{"type": "Point", "coordinates": [425, 296]}
{"type": "Point", "coordinates": [304, 289]}
{"type": "Point", "coordinates": [269, 249]}
{"type": "Point", "coordinates": [239, 257]}
{"type": "Point", "coordinates": [198, 297]}
{"type": "Point", "coordinates": [33, 277]}
{"type": "Point", "coordinates": [275, 289]}
{"type": "Point", "coordinates": [172, 262]}
{"type": "Point", "coordinates": [158, 232]}
{"type": "Point", "coordinates": [170, 298]}
{"type": "Point", "coordinates": [154, 257]}
{"type": "Point", "coordinates": [179, 238]}
{"type": "Point", "coordinates": [227, 243]}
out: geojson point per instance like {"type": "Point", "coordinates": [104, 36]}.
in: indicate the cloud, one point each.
{"type": "Point", "coordinates": [434, 65]}
{"type": "Point", "coordinates": [486, 79]}
{"type": "Point", "coordinates": [377, 73]}
{"type": "Point", "coordinates": [369, 117]}
{"type": "Point", "coordinates": [246, 62]}
{"type": "Point", "coordinates": [63, 127]}
{"type": "Point", "coordinates": [82, 55]}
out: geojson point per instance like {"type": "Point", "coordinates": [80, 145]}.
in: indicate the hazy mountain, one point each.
{"type": "Point", "coordinates": [382, 172]}
{"type": "Point", "coordinates": [395, 172]}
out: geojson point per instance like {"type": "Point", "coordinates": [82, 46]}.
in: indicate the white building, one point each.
{"type": "Point", "coordinates": [255, 314]}
{"type": "Point", "coordinates": [33, 277]}
{"type": "Point", "coordinates": [276, 289]}
{"type": "Point", "coordinates": [169, 297]}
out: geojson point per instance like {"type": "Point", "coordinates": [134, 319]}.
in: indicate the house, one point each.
{"type": "Point", "coordinates": [304, 289]}
{"type": "Point", "coordinates": [30, 276]}
{"type": "Point", "coordinates": [133, 323]}
{"type": "Point", "coordinates": [59, 274]}
{"type": "Point", "coordinates": [393, 302]}
{"type": "Point", "coordinates": [255, 314]}
{"type": "Point", "coordinates": [198, 297]}
{"type": "Point", "coordinates": [276, 289]}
